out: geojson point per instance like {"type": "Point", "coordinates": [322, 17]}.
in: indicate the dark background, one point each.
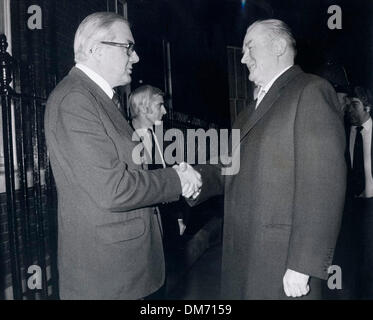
{"type": "Point", "coordinates": [200, 30]}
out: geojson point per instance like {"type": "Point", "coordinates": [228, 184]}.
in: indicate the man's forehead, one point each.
{"type": "Point", "coordinates": [252, 34]}
{"type": "Point", "coordinates": [122, 32]}
{"type": "Point", "coordinates": [157, 98]}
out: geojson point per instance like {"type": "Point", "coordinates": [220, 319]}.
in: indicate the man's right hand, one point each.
{"type": "Point", "coordinates": [190, 179]}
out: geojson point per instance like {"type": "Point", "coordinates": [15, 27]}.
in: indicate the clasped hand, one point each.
{"type": "Point", "coordinates": [190, 179]}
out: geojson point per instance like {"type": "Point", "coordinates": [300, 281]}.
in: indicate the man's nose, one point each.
{"type": "Point", "coordinates": [245, 56]}
{"type": "Point", "coordinates": [134, 58]}
{"type": "Point", "coordinates": [164, 111]}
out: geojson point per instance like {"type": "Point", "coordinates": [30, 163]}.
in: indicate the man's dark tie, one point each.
{"type": "Point", "coordinates": [358, 164]}
{"type": "Point", "coordinates": [117, 102]}
{"type": "Point", "coordinates": [156, 157]}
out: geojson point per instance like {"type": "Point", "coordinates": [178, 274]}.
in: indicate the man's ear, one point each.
{"type": "Point", "coordinates": [279, 46]}
{"type": "Point", "coordinates": [144, 108]}
{"type": "Point", "coordinates": [95, 51]}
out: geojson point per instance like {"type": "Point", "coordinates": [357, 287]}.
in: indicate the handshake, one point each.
{"type": "Point", "coordinates": [190, 179]}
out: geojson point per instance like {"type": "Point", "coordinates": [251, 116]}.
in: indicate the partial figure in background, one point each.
{"type": "Point", "coordinates": [336, 74]}
{"type": "Point", "coordinates": [359, 203]}
{"type": "Point", "coordinates": [146, 112]}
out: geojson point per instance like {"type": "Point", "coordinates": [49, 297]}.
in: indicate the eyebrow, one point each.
{"type": "Point", "coordinates": [246, 44]}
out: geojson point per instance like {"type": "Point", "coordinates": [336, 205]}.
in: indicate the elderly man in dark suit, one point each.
{"type": "Point", "coordinates": [283, 208]}
{"type": "Point", "coordinates": [109, 237]}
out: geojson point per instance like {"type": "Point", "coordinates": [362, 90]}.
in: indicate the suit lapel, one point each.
{"type": "Point", "coordinates": [269, 99]}
{"type": "Point", "coordinates": [108, 105]}
{"type": "Point", "coordinates": [117, 118]}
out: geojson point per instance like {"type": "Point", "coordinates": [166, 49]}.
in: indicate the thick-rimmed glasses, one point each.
{"type": "Point", "coordinates": [130, 46]}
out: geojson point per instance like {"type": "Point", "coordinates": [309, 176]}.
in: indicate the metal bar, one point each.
{"type": "Point", "coordinates": [51, 194]}
{"type": "Point", "coordinates": [21, 146]}
{"type": "Point", "coordinates": [11, 197]}
{"type": "Point", "coordinates": [35, 133]}
{"type": "Point", "coordinates": [22, 138]}
{"type": "Point", "coordinates": [5, 89]}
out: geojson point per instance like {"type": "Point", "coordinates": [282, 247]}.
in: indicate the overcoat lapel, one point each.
{"type": "Point", "coordinates": [269, 99]}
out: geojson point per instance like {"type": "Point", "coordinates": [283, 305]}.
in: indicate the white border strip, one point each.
{"type": "Point", "coordinates": [7, 23]}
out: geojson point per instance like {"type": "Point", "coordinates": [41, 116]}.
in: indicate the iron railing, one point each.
{"type": "Point", "coordinates": [30, 223]}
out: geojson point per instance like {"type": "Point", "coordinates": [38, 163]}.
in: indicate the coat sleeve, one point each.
{"type": "Point", "coordinates": [320, 180]}
{"type": "Point", "coordinates": [93, 162]}
{"type": "Point", "coordinates": [212, 183]}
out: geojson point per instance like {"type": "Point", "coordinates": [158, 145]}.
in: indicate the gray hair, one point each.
{"type": "Point", "coordinates": [276, 29]}
{"type": "Point", "coordinates": [142, 96]}
{"type": "Point", "coordinates": [95, 27]}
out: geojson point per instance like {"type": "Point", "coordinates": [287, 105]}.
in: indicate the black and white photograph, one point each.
{"type": "Point", "coordinates": [178, 151]}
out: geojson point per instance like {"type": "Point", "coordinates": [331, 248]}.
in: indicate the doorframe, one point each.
{"type": "Point", "coordinates": [5, 26]}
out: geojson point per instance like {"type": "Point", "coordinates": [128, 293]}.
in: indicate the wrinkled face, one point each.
{"type": "Point", "coordinates": [356, 113]}
{"type": "Point", "coordinates": [259, 57]}
{"type": "Point", "coordinates": [115, 64]}
{"type": "Point", "coordinates": [156, 110]}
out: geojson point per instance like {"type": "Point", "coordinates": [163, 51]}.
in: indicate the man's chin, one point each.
{"type": "Point", "coordinates": [251, 78]}
{"type": "Point", "coordinates": [126, 80]}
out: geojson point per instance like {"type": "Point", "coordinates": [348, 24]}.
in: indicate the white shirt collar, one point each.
{"type": "Point", "coordinates": [367, 125]}
{"type": "Point", "coordinates": [269, 84]}
{"type": "Point", "coordinates": [95, 77]}
{"type": "Point", "coordinates": [142, 131]}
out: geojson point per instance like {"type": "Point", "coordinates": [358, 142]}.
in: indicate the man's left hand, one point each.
{"type": "Point", "coordinates": [295, 283]}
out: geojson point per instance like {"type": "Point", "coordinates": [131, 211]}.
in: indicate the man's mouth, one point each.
{"type": "Point", "coordinates": [251, 67]}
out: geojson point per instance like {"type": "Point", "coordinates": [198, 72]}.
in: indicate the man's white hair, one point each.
{"type": "Point", "coordinates": [142, 96]}
{"type": "Point", "coordinates": [96, 27]}
{"type": "Point", "coordinates": [276, 29]}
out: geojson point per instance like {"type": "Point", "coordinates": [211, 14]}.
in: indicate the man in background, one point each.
{"type": "Point", "coordinates": [147, 109]}
{"type": "Point", "coordinates": [359, 203]}
{"type": "Point", "coordinates": [336, 74]}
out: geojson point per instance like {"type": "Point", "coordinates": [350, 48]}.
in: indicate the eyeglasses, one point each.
{"type": "Point", "coordinates": [130, 46]}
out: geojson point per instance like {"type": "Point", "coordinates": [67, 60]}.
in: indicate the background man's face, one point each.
{"type": "Point", "coordinates": [356, 113]}
{"type": "Point", "coordinates": [156, 109]}
{"type": "Point", "coordinates": [259, 56]}
{"type": "Point", "coordinates": [115, 62]}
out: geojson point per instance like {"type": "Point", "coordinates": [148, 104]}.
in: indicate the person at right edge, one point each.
{"type": "Point", "coordinates": [357, 249]}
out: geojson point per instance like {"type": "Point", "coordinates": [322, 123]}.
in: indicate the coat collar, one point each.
{"type": "Point", "coordinates": [268, 100]}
